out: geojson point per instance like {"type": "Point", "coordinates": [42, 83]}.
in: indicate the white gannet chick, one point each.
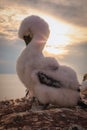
{"type": "Point", "coordinates": [62, 96]}
{"type": "Point", "coordinates": [84, 85]}
{"type": "Point", "coordinates": [35, 32]}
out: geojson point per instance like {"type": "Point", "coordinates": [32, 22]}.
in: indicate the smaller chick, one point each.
{"type": "Point", "coordinates": [84, 85]}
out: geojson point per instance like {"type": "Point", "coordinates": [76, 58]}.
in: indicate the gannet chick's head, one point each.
{"type": "Point", "coordinates": [34, 28]}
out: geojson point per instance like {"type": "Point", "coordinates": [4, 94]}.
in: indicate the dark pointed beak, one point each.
{"type": "Point", "coordinates": [27, 39]}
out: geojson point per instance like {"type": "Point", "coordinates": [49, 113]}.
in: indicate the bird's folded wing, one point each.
{"type": "Point", "coordinates": [48, 63]}
{"type": "Point", "coordinates": [49, 81]}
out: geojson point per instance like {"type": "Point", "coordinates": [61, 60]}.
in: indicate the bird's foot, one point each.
{"type": "Point", "coordinates": [44, 106]}
{"type": "Point", "coordinates": [36, 105]}
{"type": "Point", "coordinates": [39, 107]}
{"type": "Point", "coordinates": [30, 99]}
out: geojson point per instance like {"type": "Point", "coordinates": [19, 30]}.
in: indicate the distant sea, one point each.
{"type": "Point", "coordinates": [11, 87]}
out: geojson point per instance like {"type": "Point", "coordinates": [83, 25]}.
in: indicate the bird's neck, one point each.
{"type": "Point", "coordinates": [38, 42]}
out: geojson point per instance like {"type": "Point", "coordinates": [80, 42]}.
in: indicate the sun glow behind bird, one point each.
{"type": "Point", "coordinates": [59, 33]}
{"type": "Point", "coordinates": [58, 38]}
{"type": "Point", "coordinates": [62, 33]}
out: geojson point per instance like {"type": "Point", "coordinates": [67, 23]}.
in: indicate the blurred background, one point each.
{"type": "Point", "coordinates": [67, 42]}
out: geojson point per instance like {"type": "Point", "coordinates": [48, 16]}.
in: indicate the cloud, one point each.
{"type": "Point", "coordinates": [76, 57]}
{"type": "Point", "coordinates": [12, 12]}
{"type": "Point", "coordinates": [7, 67]}
{"type": "Point", "coordinates": [68, 10]}
{"type": "Point", "coordinates": [9, 51]}
{"type": "Point", "coordinates": [78, 51]}
{"type": "Point", "coordinates": [73, 12]}
{"type": "Point", "coordinates": [10, 18]}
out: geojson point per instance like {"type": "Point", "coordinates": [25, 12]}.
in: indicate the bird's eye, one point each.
{"type": "Point", "coordinates": [27, 38]}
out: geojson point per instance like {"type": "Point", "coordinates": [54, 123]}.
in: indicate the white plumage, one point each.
{"type": "Point", "coordinates": [35, 30]}
{"type": "Point", "coordinates": [32, 58]}
{"type": "Point", "coordinates": [63, 97]}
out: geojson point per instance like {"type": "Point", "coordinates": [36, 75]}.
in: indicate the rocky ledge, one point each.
{"type": "Point", "coordinates": [18, 115]}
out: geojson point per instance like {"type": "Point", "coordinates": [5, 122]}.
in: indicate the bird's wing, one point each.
{"type": "Point", "coordinates": [49, 63]}
{"type": "Point", "coordinates": [48, 80]}
{"type": "Point", "coordinates": [47, 67]}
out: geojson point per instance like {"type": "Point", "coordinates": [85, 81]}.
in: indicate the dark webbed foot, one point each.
{"type": "Point", "coordinates": [29, 99]}
{"type": "Point", "coordinates": [34, 100]}
{"type": "Point", "coordinates": [44, 106]}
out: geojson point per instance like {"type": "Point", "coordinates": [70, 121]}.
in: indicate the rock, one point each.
{"type": "Point", "coordinates": [17, 115]}
{"type": "Point", "coordinates": [76, 127]}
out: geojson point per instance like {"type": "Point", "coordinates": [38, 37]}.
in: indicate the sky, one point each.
{"type": "Point", "coordinates": [67, 20]}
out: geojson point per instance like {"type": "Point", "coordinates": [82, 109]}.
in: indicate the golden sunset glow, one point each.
{"type": "Point", "coordinates": [58, 38]}
{"type": "Point", "coordinates": [59, 31]}
{"type": "Point", "coordinates": [62, 33]}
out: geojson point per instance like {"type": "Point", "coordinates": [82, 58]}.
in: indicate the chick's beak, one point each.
{"type": "Point", "coordinates": [27, 39]}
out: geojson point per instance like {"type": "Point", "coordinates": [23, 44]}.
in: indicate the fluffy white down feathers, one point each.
{"type": "Point", "coordinates": [63, 97]}
{"type": "Point", "coordinates": [32, 60]}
